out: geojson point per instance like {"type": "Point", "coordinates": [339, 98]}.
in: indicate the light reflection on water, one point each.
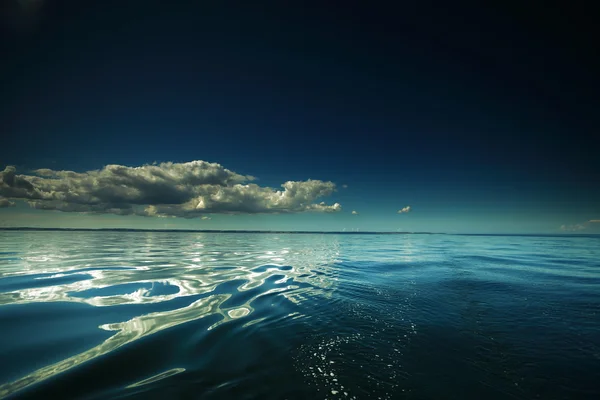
{"type": "Point", "coordinates": [269, 316]}
{"type": "Point", "coordinates": [103, 270]}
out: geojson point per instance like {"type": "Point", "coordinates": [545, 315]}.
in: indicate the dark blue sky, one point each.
{"type": "Point", "coordinates": [480, 118]}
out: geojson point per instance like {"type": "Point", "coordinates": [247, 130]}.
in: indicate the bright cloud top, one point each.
{"type": "Point", "coordinates": [404, 210]}
{"type": "Point", "coordinates": [186, 190]}
{"type": "Point", "coordinates": [354, 212]}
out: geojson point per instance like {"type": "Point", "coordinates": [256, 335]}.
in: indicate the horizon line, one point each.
{"type": "Point", "coordinates": [26, 228]}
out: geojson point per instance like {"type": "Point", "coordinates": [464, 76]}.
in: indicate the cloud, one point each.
{"type": "Point", "coordinates": [573, 228]}
{"type": "Point", "coordinates": [205, 217]}
{"type": "Point", "coordinates": [6, 203]}
{"type": "Point", "coordinates": [404, 210]}
{"type": "Point", "coordinates": [579, 227]}
{"type": "Point", "coordinates": [186, 190]}
{"type": "Point", "coordinates": [354, 212]}
{"type": "Point", "coordinates": [345, 186]}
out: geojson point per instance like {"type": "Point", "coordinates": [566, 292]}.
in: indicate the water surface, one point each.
{"type": "Point", "coordinates": [97, 315]}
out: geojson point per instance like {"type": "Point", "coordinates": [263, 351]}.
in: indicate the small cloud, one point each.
{"type": "Point", "coordinates": [573, 228]}
{"type": "Point", "coordinates": [579, 227]}
{"type": "Point", "coordinates": [6, 203]}
{"type": "Point", "coordinates": [205, 217]}
{"type": "Point", "coordinates": [354, 212]}
{"type": "Point", "coordinates": [345, 186]}
{"type": "Point", "coordinates": [404, 210]}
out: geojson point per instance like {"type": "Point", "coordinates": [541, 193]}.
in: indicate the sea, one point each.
{"type": "Point", "coordinates": [196, 315]}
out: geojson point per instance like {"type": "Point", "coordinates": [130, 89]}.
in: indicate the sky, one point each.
{"type": "Point", "coordinates": [471, 118]}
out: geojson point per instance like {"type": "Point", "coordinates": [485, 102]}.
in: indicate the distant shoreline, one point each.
{"type": "Point", "coordinates": [29, 229]}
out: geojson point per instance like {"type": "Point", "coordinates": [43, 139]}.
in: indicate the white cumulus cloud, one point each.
{"type": "Point", "coordinates": [404, 210]}
{"type": "Point", "coordinates": [187, 190]}
{"type": "Point", "coordinates": [354, 212]}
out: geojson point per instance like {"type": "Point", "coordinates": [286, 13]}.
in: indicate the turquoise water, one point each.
{"type": "Point", "coordinates": [97, 315]}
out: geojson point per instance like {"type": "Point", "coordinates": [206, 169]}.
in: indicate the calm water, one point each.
{"type": "Point", "coordinates": [97, 315]}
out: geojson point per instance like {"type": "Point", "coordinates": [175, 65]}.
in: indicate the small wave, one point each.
{"type": "Point", "coordinates": [157, 377]}
{"type": "Point", "coordinates": [177, 315]}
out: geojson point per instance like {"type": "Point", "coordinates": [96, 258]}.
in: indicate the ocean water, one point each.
{"type": "Point", "coordinates": [95, 315]}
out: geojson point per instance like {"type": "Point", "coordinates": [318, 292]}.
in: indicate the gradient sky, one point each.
{"type": "Point", "coordinates": [479, 119]}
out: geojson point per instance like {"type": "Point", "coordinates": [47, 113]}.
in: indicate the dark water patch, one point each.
{"type": "Point", "coordinates": [35, 335]}
{"type": "Point", "coordinates": [113, 372]}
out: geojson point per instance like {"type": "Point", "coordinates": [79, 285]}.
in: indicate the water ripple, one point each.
{"type": "Point", "coordinates": [108, 273]}
{"type": "Point", "coordinates": [168, 315]}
